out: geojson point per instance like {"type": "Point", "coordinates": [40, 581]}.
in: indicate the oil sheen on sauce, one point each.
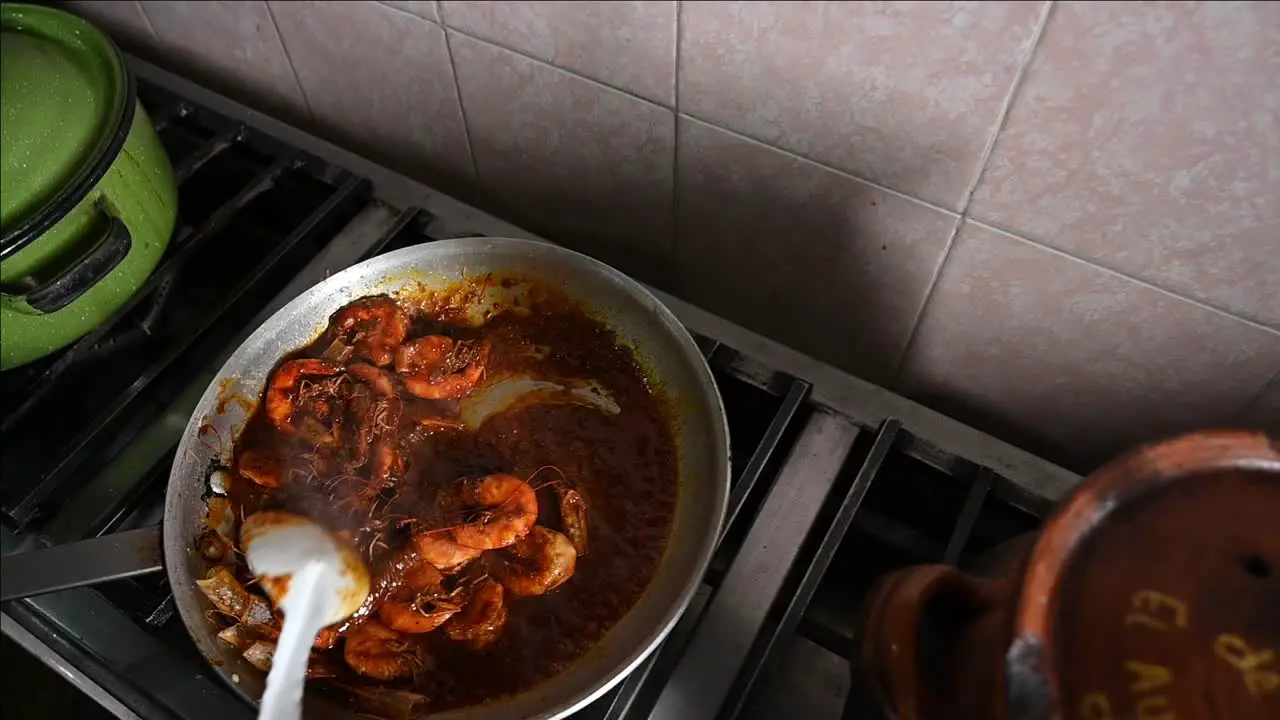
{"type": "Point", "coordinates": [625, 465]}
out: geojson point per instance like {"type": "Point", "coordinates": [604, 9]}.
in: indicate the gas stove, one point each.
{"type": "Point", "coordinates": [835, 481]}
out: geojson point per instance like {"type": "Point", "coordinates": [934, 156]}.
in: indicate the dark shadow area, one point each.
{"type": "Point", "coordinates": [32, 691]}
{"type": "Point", "coordinates": [1071, 458]}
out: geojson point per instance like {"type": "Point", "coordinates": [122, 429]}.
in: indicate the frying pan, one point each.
{"type": "Point", "coordinates": [661, 344]}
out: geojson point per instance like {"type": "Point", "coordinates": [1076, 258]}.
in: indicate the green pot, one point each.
{"type": "Point", "coordinates": [87, 195]}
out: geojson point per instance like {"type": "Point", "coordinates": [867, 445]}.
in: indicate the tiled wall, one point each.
{"type": "Point", "coordinates": [1059, 221]}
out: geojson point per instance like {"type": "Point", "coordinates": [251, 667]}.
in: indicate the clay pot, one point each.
{"type": "Point", "coordinates": [1153, 593]}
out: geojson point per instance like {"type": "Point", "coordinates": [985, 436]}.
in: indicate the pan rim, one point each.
{"type": "Point", "coordinates": [716, 454]}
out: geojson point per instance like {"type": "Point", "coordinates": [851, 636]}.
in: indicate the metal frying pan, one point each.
{"type": "Point", "coordinates": [664, 348]}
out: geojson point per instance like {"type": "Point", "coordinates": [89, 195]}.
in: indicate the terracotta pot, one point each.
{"type": "Point", "coordinates": [1152, 593]}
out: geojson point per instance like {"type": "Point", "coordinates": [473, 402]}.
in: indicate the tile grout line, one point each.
{"type": "Point", "coordinates": [1014, 89]}
{"type": "Point", "coordinates": [1125, 276]}
{"type": "Point", "coordinates": [674, 242]}
{"type": "Point", "coordinates": [647, 101]}
{"type": "Point", "coordinates": [401, 11]}
{"type": "Point", "coordinates": [293, 71]}
{"type": "Point", "coordinates": [457, 89]}
{"type": "Point", "coordinates": [503, 46]}
{"type": "Point", "coordinates": [825, 168]}
{"type": "Point", "coordinates": [142, 10]}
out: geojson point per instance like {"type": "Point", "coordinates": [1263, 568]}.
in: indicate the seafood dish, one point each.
{"type": "Point", "coordinates": [510, 481]}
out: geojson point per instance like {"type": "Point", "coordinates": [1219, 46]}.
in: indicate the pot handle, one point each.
{"type": "Point", "coordinates": [106, 253]}
{"type": "Point", "coordinates": [87, 562]}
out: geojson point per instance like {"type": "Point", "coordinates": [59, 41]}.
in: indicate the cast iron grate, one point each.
{"type": "Point", "coordinates": [898, 501]}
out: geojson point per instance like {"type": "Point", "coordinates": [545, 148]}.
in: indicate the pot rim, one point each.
{"type": "Point", "coordinates": [32, 227]}
{"type": "Point", "coordinates": [1140, 471]}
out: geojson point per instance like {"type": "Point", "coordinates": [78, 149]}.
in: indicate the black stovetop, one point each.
{"type": "Point", "coordinates": [821, 504]}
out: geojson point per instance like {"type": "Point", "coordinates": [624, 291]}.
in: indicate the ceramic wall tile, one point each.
{"type": "Point", "coordinates": [1146, 138]}
{"type": "Point", "coordinates": [906, 94]}
{"type": "Point", "coordinates": [380, 82]}
{"type": "Point", "coordinates": [1072, 361]}
{"type": "Point", "coordinates": [580, 162]}
{"type": "Point", "coordinates": [628, 45]}
{"type": "Point", "coordinates": [231, 47]}
{"type": "Point", "coordinates": [825, 263]}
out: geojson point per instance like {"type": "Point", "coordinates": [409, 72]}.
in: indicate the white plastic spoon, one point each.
{"type": "Point", "coordinates": [514, 391]}
{"type": "Point", "coordinates": [315, 579]}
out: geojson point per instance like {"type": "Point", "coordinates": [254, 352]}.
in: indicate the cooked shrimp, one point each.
{"type": "Point", "coordinates": [573, 515]}
{"type": "Point", "coordinates": [379, 380]}
{"type": "Point", "coordinates": [482, 618]}
{"type": "Point", "coordinates": [510, 509]}
{"type": "Point", "coordinates": [540, 562]}
{"type": "Point", "coordinates": [260, 467]}
{"type": "Point", "coordinates": [371, 420]}
{"type": "Point", "coordinates": [375, 326]}
{"type": "Point", "coordinates": [387, 466]}
{"type": "Point", "coordinates": [284, 388]}
{"type": "Point", "coordinates": [436, 368]}
{"type": "Point", "coordinates": [375, 650]}
{"type": "Point", "coordinates": [420, 604]}
{"type": "Point", "coordinates": [326, 638]}
{"type": "Point", "coordinates": [439, 548]}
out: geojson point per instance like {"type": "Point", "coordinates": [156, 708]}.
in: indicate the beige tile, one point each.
{"type": "Point", "coordinates": [1074, 362]}
{"type": "Point", "coordinates": [905, 94]}
{"type": "Point", "coordinates": [122, 19]}
{"type": "Point", "coordinates": [578, 162]}
{"type": "Point", "coordinates": [628, 45]}
{"type": "Point", "coordinates": [231, 47]}
{"type": "Point", "coordinates": [824, 263]}
{"type": "Point", "coordinates": [1263, 410]}
{"type": "Point", "coordinates": [379, 81]}
{"type": "Point", "coordinates": [1146, 138]}
{"type": "Point", "coordinates": [425, 9]}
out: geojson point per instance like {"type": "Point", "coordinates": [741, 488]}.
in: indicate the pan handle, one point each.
{"type": "Point", "coordinates": [87, 562]}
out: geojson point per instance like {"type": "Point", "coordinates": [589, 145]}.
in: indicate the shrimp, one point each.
{"type": "Point", "coordinates": [326, 638]}
{"type": "Point", "coordinates": [260, 467]}
{"type": "Point", "coordinates": [482, 619]}
{"type": "Point", "coordinates": [436, 368]}
{"type": "Point", "coordinates": [440, 550]}
{"type": "Point", "coordinates": [375, 325]}
{"type": "Point", "coordinates": [512, 510]}
{"type": "Point", "coordinates": [387, 465]}
{"type": "Point", "coordinates": [379, 380]}
{"type": "Point", "coordinates": [371, 418]}
{"type": "Point", "coordinates": [285, 386]}
{"type": "Point", "coordinates": [375, 650]}
{"type": "Point", "coordinates": [573, 515]}
{"type": "Point", "coordinates": [540, 562]}
{"type": "Point", "coordinates": [420, 604]}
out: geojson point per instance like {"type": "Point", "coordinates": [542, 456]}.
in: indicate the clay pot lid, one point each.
{"type": "Point", "coordinates": [1154, 592]}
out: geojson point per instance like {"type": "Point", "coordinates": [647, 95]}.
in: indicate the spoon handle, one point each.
{"type": "Point", "coordinates": [304, 617]}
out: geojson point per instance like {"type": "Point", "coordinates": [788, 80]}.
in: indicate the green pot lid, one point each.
{"type": "Point", "coordinates": [62, 93]}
